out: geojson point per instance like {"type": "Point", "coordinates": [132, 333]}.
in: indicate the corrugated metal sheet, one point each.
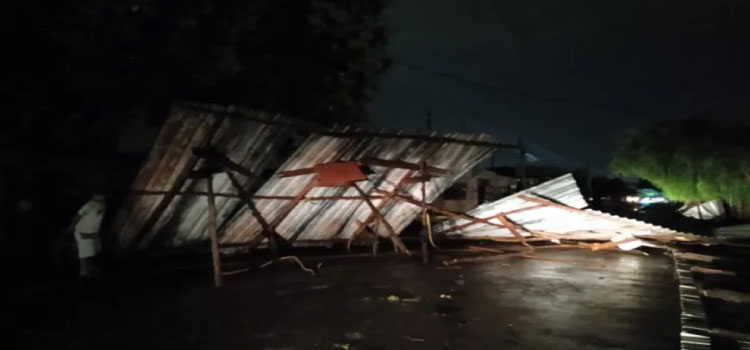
{"type": "Point", "coordinates": [251, 142]}
{"type": "Point", "coordinates": [321, 220]}
{"type": "Point", "coordinates": [553, 220]}
{"type": "Point", "coordinates": [704, 211]}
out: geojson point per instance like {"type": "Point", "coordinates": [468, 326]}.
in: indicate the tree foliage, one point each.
{"type": "Point", "coordinates": [76, 68]}
{"type": "Point", "coordinates": [690, 160]}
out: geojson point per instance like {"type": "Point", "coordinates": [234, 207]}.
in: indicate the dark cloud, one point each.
{"type": "Point", "coordinates": [564, 75]}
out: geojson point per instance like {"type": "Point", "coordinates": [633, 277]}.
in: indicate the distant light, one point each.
{"type": "Point", "coordinates": [632, 199]}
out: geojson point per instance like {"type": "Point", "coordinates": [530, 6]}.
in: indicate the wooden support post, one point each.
{"type": "Point", "coordinates": [271, 234]}
{"type": "Point", "coordinates": [425, 220]}
{"type": "Point", "coordinates": [388, 195]}
{"type": "Point", "coordinates": [521, 164]}
{"type": "Point", "coordinates": [290, 206]}
{"type": "Point", "coordinates": [212, 228]}
{"type": "Point", "coordinates": [504, 220]}
{"type": "Point", "coordinates": [397, 244]}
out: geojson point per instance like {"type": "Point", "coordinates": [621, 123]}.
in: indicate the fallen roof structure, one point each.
{"type": "Point", "coordinates": [335, 200]}
{"type": "Point", "coordinates": [552, 210]}
{"type": "Point", "coordinates": [158, 210]}
{"type": "Point", "coordinates": [338, 183]}
{"type": "Point", "coordinates": [704, 211]}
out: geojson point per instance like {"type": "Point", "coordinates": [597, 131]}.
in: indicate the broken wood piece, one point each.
{"type": "Point", "coordinates": [480, 259]}
{"type": "Point", "coordinates": [726, 295]}
{"type": "Point", "coordinates": [212, 228]}
{"type": "Point", "coordinates": [504, 220]}
{"type": "Point", "coordinates": [270, 233]}
{"type": "Point", "coordinates": [709, 271]}
{"type": "Point", "coordinates": [730, 334]}
{"type": "Point", "coordinates": [610, 245]}
{"type": "Point", "coordinates": [290, 258]}
{"type": "Point", "coordinates": [696, 257]}
{"type": "Point", "coordinates": [485, 249]}
{"type": "Point", "coordinates": [397, 244]}
{"type": "Point", "coordinates": [569, 262]}
{"type": "Point", "coordinates": [403, 165]}
{"type": "Point", "coordinates": [212, 155]}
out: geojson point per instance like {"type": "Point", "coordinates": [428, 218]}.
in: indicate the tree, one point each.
{"type": "Point", "coordinates": [77, 68]}
{"type": "Point", "coordinates": [697, 159]}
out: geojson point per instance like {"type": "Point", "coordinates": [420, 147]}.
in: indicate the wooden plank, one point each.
{"type": "Point", "coordinates": [696, 257]}
{"type": "Point", "coordinates": [212, 228]}
{"type": "Point", "coordinates": [179, 182]}
{"type": "Point", "coordinates": [290, 206]}
{"type": "Point", "coordinates": [709, 271]}
{"type": "Point", "coordinates": [213, 156]}
{"type": "Point", "coordinates": [504, 220]}
{"type": "Point", "coordinates": [270, 233]}
{"type": "Point", "coordinates": [726, 295]}
{"type": "Point", "coordinates": [397, 244]}
{"type": "Point", "coordinates": [315, 128]}
{"type": "Point", "coordinates": [450, 214]}
{"type": "Point", "coordinates": [514, 211]}
{"type": "Point", "coordinates": [296, 172]}
{"type": "Point", "coordinates": [403, 165]}
{"type": "Point", "coordinates": [234, 195]}
{"type": "Point", "coordinates": [381, 205]}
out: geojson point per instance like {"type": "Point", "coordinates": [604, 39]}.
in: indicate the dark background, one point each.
{"type": "Point", "coordinates": [567, 76]}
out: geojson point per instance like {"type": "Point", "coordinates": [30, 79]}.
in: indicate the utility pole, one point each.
{"type": "Point", "coordinates": [521, 168]}
{"type": "Point", "coordinates": [428, 121]}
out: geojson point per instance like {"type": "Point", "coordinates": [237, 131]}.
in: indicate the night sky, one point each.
{"type": "Point", "coordinates": [567, 76]}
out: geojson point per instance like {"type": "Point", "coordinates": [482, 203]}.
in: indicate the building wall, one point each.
{"type": "Point", "coordinates": [474, 189]}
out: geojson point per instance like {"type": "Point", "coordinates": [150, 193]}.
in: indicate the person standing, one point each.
{"type": "Point", "coordinates": [87, 224]}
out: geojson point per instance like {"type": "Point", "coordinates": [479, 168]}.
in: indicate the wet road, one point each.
{"type": "Point", "coordinates": [626, 302]}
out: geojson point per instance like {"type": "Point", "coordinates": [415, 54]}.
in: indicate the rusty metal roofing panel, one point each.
{"type": "Point", "coordinates": [554, 220]}
{"type": "Point", "coordinates": [253, 142]}
{"type": "Point", "coordinates": [320, 220]}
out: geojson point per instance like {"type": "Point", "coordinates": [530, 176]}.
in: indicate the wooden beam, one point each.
{"type": "Point", "coordinates": [212, 155]}
{"type": "Point", "coordinates": [296, 172]}
{"type": "Point", "coordinates": [514, 211]}
{"type": "Point", "coordinates": [270, 233]}
{"type": "Point", "coordinates": [426, 225]}
{"type": "Point", "coordinates": [397, 244]}
{"type": "Point", "coordinates": [403, 165]}
{"type": "Point", "coordinates": [504, 220]}
{"type": "Point", "coordinates": [549, 203]}
{"type": "Point", "coordinates": [426, 138]}
{"type": "Point", "coordinates": [234, 195]}
{"type": "Point", "coordinates": [290, 206]}
{"type": "Point", "coordinates": [212, 228]}
{"type": "Point", "coordinates": [381, 205]}
{"type": "Point", "coordinates": [179, 182]}
{"type": "Point", "coordinates": [447, 213]}
{"type": "Point", "coordinates": [726, 295]}
{"type": "Point", "coordinates": [315, 128]}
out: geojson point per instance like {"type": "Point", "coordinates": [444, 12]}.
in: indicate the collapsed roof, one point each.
{"type": "Point", "coordinates": [552, 210]}
{"type": "Point", "coordinates": [303, 200]}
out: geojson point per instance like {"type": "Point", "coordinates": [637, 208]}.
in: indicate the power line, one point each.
{"type": "Point", "coordinates": [527, 94]}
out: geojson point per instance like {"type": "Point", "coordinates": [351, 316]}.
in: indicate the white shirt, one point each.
{"type": "Point", "coordinates": [91, 215]}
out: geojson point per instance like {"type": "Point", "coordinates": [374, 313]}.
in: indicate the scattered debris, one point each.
{"type": "Point", "coordinates": [459, 282]}
{"type": "Point", "coordinates": [352, 336]}
{"type": "Point", "coordinates": [292, 258]}
{"type": "Point", "coordinates": [413, 339]}
{"type": "Point", "coordinates": [726, 295]}
{"type": "Point", "coordinates": [320, 287]}
{"type": "Point", "coordinates": [709, 271]}
{"type": "Point", "coordinates": [446, 296]}
{"type": "Point", "coordinates": [342, 346]}
{"type": "Point", "coordinates": [393, 298]}
{"type": "Point", "coordinates": [445, 309]}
